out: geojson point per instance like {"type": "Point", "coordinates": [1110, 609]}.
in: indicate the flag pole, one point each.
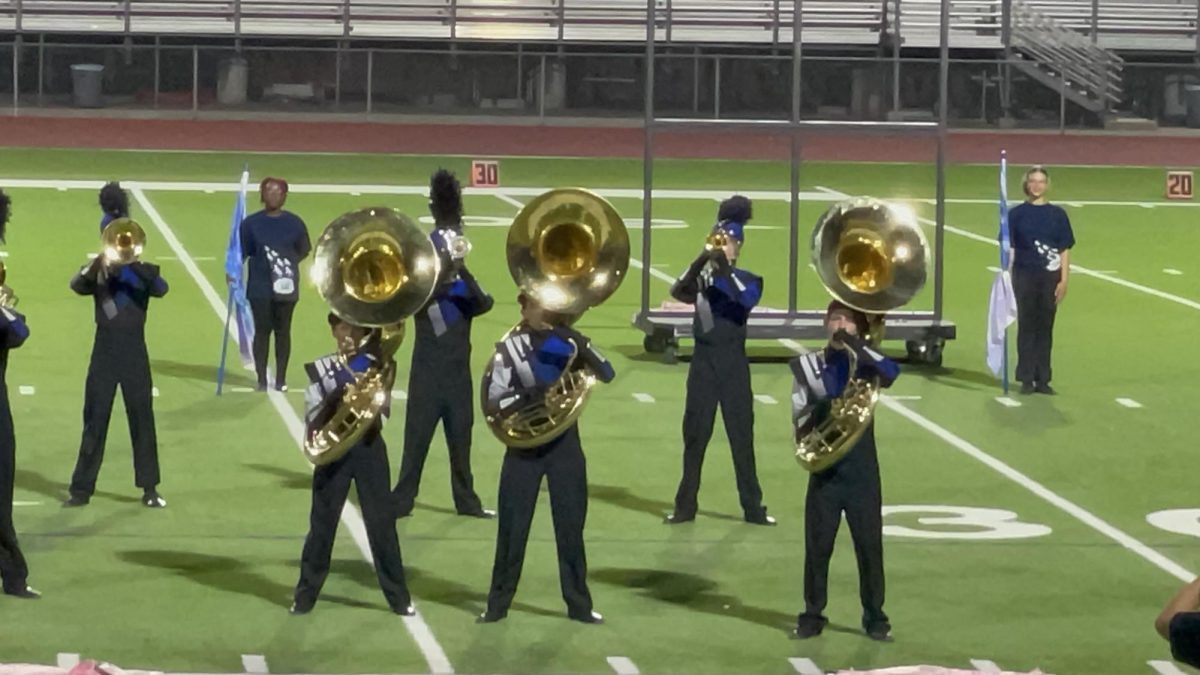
{"type": "Point", "coordinates": [225, 340]}
{"type": "Point", "coordinates": [1004, 259]}
{"type": "Point", "coordinates": [229, 305]}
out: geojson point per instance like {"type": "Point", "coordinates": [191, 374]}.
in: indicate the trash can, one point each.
{"type": "Point", "coordinates": [88, 84]}
{"type": "Point", "coordinates": [232, 80]}
{"type": "Point", "coordinates": [1191, 94]}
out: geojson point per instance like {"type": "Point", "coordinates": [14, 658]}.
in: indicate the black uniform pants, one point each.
{"type": "Point", "coordinates": [438, 395]}
{"type": "Point", "coordinates": [1034, 290]}
{"type": "Point", "coordinates": [367, 465]}
{"type": "Point", "coordinates": [861, 500]}
{"type": "Point", "coordinates": [272, 316]}
{"type": "Point", "coordinates": [562, 463]}
{"type": "Point", "coordinates": [117, 359]}
{"type": "Point", "coordinates": [719, 376]}
{"type": "Point", "coordinates": [13, 569]}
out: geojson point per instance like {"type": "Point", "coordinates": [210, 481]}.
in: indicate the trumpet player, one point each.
{"type": "Point", "coordinates": [366, 463]}
{"type": "Point", "coordinates": [13, 332]}
{"type": "Point", "coordinates": [527, 364]}
{"type": "Point", "coordinates": [121, 287]}
{"type": "Point", "coordinates": [440, 388]}
{"type": "Point", "coordinates": [852, 484]}
{"type": "Point", "coordinates": [719, 373]}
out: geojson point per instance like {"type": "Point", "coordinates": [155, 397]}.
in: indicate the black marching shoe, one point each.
{"type": "Point", "coordinates": [26, 592]}
{"type": "Point", "coordinates": [677, 518]}
{"type": "Point", "coordinates": [760, 518]}
{"type": "Point", "coordinates": [880, 633]}
{"type": "Point", "coordinates": [590, 617]}
{"type": "Point", "coordinates": [151, 499]}
{"type": "Point", "coordinates": [299, 608]}
{"type": "Point", "coordinates": [490, 617]}
{"type": "Point", "coordinates": [1027, 388]}
{"type": "Point", "coordinates": [485, 514]}
{"type": "Point", "coordinates": [1045, 389]}
{"type": "Point", "coordinates": [76, 500]}
{"type": "Point", "coordinates": [405, 610]}
{"type": "Point", "coordinates": [808, 628]}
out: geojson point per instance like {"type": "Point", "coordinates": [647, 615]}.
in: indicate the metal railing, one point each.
{"type": "Point", "coordinates": [1089, 74]}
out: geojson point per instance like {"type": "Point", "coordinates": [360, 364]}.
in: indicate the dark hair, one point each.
{"type": "Point", "coordinates": [737, 209]}
{"type": "Point", "coordinates": [113, 200]}
{"type": "Point", "coordinates": [283, 185]}
{"type": "Point", "coordinates": [1036, 168]}
{"type": "Point", "coordinates": [334, 319]}
{"type": "Point", "coordinates": [445, 198]}
{"type": "Point", "coordinates": [860, 318]}
{"type": "Point", "coordinates": [5, 211]}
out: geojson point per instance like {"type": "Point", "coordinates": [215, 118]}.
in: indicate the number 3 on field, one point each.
{"type": "Point", "coordinates": [982, 523]}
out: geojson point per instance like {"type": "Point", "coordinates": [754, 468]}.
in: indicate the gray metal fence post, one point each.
{"type": "Point", "coordinates": [648, 157]}
{"type": "Point", "coordinates": [195, 78]}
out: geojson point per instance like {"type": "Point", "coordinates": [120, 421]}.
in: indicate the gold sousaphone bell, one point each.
{"type": "Point", "coordinates": [568, 249]}
{"type": "Point", "coordinates": [872, 256]}
{"type": "Point", "coordinates": [374, 268]}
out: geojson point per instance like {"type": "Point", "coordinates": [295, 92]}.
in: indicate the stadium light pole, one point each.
{"type": "Point", "coordinates": [648, 157]}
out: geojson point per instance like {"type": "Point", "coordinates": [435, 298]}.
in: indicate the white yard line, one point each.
{"type": "Point", "coordinates": [985, 666]}
{"type": "Point", "coordinates": [67, 660]}
{"type": "Point", "coordinates": [765, 399]}
{"type": "Point", "coordinates": [26, 390]}
{"type": "Point", "coordinates": [255, 663]}
{"type": "Point", "coordinates": [805, 666]}
{"type": "Point", "coordinates": [1165, 668]}
{"type": "Point", "coordinates": [622, 665]}
{"type": "Point", "coordinates": [509, 200]}
{"type": "Point", "coordinates": [434, 655]}
{"type": "Point", "coordinates": [1129, 403]}
{"type": "Point", "coordinates": [643, 398]}
{"type": "Point", "coordinates": [1008, 401]}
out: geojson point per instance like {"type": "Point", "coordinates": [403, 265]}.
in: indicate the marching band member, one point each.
{"type": "Point", "coordinates": [526, 365]}
{"type": "Point", "coordinates": [366, 463]}
{"type": "Point", "coordinates": [852, 484]}
{"type": "Point", "coordinates": [13, 569]}
{"type": "Point", "coordinates": [719, 373]}
{"type": "Point", "coordinates": [274, 241]}
{"type": "Point", "coordinates": [121, 292]}
{"type": "Point", "coordinates": [114, 203]}
{"type": "Point", "coordinates": [439, 383]}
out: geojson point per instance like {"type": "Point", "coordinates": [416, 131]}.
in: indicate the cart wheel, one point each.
{"type": "Point", "coordinates": [656, 343]}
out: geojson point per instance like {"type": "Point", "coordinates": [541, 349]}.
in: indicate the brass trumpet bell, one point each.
{"type": "Point", "coordinates": [568, 249]}
{"type": "Point", "coordinates": [869, 254]}
{"type": "Point", "coordinates": [122, 241]}
{"type": "Point", "coordinates": [374, 267]}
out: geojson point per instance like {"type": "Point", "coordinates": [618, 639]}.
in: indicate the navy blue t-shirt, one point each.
{"type": "Point", "coordinates": [275, 245]}
{"type": "Point", "coordinates": [1040, 233]}
{"type": "Point", "coordinates": [1184, 636]}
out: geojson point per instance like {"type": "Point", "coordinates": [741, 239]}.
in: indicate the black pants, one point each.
{"type": "Point", "coordinates": [562, 463]}
{"type": "Point", "coordinates": [13, 570]}
{"type": "Point", "coordinates": [860, 499]}
{"type": "Point", "coordinates": [117, 359]}
{"type": "Point", "coordinates": [272, 316]}
{"type": "Point", "coordinates": [445, 395]}
{"type": "Point", "coordinates": [719, 376]}
{"type": "Point", "coordinates": [1035, 323]}
{"type": "Point", "coordinates": [367, 465]}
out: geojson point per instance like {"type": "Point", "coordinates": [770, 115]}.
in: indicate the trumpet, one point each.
{"type": "Point", "coordinates": [122, 242]}
{"type": "Point", "coordinates": [716, 240]}
{"type": "Point", "coordinates": [8, 299]}
{"type": "Point", "coordinates": [374, 268]}
{"type": "Point", "coordinates": [456, 246]}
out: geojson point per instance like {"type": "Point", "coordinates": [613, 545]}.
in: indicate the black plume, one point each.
{"type": "Point", "coordinates": [445, 198]}
{"type": "Point", "coordinates": [114, 201]}
{"type": "Point", "coordinates": [737, 208]}
{"type": "Point", "coordinates": [5, 211]}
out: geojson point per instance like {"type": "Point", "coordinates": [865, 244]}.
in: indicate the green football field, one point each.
{"type": "Point", "coordinates": [1045, 533]}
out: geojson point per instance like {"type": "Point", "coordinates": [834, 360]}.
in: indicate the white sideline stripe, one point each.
{"type": "Point", "coordinates": [27, 503]}
{"type": "Point", "coordinates": [254, 663]}
{"type": "Point", "coordinates": [400, 394]}
{"type": "Point", "coordinates": [1074, 268]}
{"type": "Point", "coordinates": [1165, 668]}
{"type": "Point", "coordinates": [766, 399]}
{"type": "Point", "coordinates": [805, 666]}
{"type": "Point", "coordinates": [242, 390]}
{"type": "Point", "coordinates": [505, 198]}
{"type": "Point", "coordinates": [1129, 403]}
{"type": "Point", "coordinates": [1008, 401]}
{"type": "Point", "coordinates": [434, 655]}
{"type": "Point", "coordinates": [1172, 271]}
{"type": "Point", "coordinates": [985, 666]}
{"type": "Point", "coordinates": [643, 398]}
{"type": "Point", "coordinates": [822, 194]}
{"type": "Point", "coordinates": [26, 390]}
{"type": "Point", "coordinates": [67, 660]}
{"type": "Point", "coordinates": [622, 665]}
{"type": "Point", "coordinates": [1079, 513]}
{"type": "Point", "coordinates": [907, 398]}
